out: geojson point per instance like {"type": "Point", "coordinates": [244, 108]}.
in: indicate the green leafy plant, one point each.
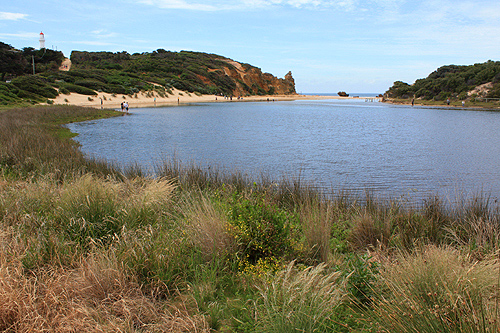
{"type": "Point", "coordinates": [261, 229]}
{"type": "Point", "coordinates": [360, 279]}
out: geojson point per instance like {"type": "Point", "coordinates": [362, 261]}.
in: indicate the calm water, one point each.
{"type": "Point", "coordinates": [393, 151]}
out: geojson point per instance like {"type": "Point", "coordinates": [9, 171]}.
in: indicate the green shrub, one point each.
{"type": "Point", "coordinates": [360, 279]}
{"type": "Point", "coordinates": [35, 85]}
{"type": "Point", "coordinates": [91, 84]}
{"type": "Point", "coordinates": [261, 229]}
{"type": "Point", "coordinates": [78, 89]}
{"type": "Point", "coordinates": [63, 90]}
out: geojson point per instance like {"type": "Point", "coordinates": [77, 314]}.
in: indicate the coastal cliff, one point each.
{"type": "Point", "coordinates": [250, 79]}
{"type": "Point", "coordinates": [188, 71]}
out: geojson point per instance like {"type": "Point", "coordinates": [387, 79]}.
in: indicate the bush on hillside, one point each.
{"type": "Point", "coordinates": [78, 89]}
{"type": "Point", "coordinates": [35, 85]}
{"type": "Point", "coordinates": [448, 81]}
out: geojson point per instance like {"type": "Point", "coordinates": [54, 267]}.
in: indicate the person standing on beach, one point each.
{"type": "Point", "coordinates": [122, 106]}
{"type": "Point", "coordinates": [126, 106]}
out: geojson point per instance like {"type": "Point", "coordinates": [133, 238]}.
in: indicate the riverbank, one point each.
{"type": "Point", "coordinates": [456, 104]}
{"type": "Point", "coordinates": [144, 99]}
{"type": "Point", "coordinates": [87, 247]}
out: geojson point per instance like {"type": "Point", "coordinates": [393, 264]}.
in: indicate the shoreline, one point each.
{"type": "Point", "coordinates": [453, 105]}
{"type": "Point", "coordinates": [139, 100]}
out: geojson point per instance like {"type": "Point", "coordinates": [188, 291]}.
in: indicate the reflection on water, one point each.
{"type": "Point", "coordinates": [334, 144]}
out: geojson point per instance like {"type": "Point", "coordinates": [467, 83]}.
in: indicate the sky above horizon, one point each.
{"type": "Point", "coordinates": [358, 46]}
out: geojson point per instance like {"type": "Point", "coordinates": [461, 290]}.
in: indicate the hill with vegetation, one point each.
{"type": "Point", "coordinates": [453, 82]}
{"type": "Point", "coordinates": [128, 74]}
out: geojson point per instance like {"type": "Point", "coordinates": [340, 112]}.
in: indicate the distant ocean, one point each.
{"type": "Point", "coordinates": [350, 94]}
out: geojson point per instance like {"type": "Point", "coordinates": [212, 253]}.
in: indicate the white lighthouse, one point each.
{"type": "Point", "coordinates": [42, 41]}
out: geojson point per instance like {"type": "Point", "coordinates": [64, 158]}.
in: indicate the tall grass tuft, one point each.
{"type": "Point", "coordinates": [89, 210]}
{"type": "Point", "coordinates": [299, 301]}
{"type": "Point", "coordinates": [317, 219]}
{"type": "Point", "coordinates": [196, 177]}
{"type": "Point", "coordinates": [476, 226]}
{"type": "Point", "coordinates": [207, 226]}
{"type": "Point", "coordinates": [392, 226]}
{"type": "Point", "coordinates": [437, 290]}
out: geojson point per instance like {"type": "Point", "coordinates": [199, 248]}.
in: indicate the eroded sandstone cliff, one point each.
{"type": "Point", "coordinates": [251, 81]}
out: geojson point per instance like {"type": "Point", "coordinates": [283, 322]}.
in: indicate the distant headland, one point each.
{"type": "Point", "coordinates": [32, 76]}
{"type": "Point", "coordinates": [452, 85]}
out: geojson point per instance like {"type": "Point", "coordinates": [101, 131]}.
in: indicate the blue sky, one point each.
{"type": "Point", "coordinates": [329, 45]}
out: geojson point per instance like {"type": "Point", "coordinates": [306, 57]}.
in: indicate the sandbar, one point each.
{"type": "Point", "coordinates": [145, 99]}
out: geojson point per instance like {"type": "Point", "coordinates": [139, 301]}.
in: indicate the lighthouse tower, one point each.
{"type": "Point", "coordinates": [42, 41]}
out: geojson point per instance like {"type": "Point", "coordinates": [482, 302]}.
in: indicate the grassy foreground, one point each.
{"type": "Point", "coordinates": [85, 246]}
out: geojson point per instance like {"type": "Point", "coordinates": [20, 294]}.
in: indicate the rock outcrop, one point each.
{"type": "Point", "coordinates": [251, 81]}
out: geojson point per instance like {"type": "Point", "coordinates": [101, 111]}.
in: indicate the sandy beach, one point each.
{"type": "Point", "coordinates": [142, 99]}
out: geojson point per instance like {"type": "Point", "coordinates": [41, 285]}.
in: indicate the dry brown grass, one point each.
{"type": "Point", "coordinates": [94, 291]}
{"type": "Point", "coordinates": [97, 295]}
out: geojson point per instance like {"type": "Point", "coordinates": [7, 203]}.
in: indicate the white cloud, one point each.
{"type": "Point", "coordinates": [94, 43]}
{"type": "Point", "coordinates": [304, 3]}
{"type": "Point", "coordinates": [104, 34]}
{"type": "Point", "coordinates": [21, 35]}
{"type": "Point", "coordinates": [12, 16]}
{"type": "Point", "coordinates": [203, 5]}
{"type": "Point", "coordinates": [180, 4]}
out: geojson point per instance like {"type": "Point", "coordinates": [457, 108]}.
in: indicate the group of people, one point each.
{"type": "Point", "coordinates": [124, 106]}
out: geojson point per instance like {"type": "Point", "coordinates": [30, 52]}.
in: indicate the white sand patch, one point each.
{"type": "Point", "coordinates": [113, 101]}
